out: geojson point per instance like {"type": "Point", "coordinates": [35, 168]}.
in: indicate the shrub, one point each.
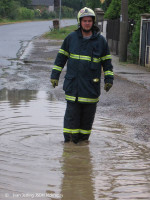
{"type": "Point", "coordinates": [134, 44]}
{"type": "Point", "coordinates": [13, 13]}
{"type": "Point", "coordinates": [67, 12]}
{"type": "Point", "coordinates": [25, 13]}
{"type": "Point", "coordinates": [52, 14]}
{"type": "Point", "coordinates": [45, 14]}
{"type": "Point", "coordinates": [9, 9]}
{"type": "Point", "coordinates": [113, 11]}
{"type": "Point", "coordinates": [37, 13]}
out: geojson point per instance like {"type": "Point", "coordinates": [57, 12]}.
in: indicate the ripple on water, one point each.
{"type": "Point", "coordinates": [121, 164]}
{"type": "Point", "coordinates": [31, 147]}
{"type": "Point", "coordinates": [34, 159]}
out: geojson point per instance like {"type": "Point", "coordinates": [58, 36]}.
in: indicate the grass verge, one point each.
{"type": "Point", "coordinates": [7, 21]}
{"type": "Point", "coordinates": [60, 34]}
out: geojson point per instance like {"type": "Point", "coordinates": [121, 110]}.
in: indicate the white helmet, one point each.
{"type": "Point", "coordinates": [85, 12]}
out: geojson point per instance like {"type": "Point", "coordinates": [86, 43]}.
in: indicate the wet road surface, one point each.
{"type": "Point", "coordinates": [14, 38]}
{"type": "Point", "coordinates": [36, 164]}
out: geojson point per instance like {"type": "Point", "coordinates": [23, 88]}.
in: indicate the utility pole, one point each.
{"type": "Point", "coordinates": [123, 31]}
{"type": "Point", "coordinates": [81, 4]}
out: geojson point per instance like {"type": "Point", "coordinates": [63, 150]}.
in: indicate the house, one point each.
{"type": "Point", "coordinates": [43, 4]}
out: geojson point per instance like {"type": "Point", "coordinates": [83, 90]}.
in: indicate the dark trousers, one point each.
{"type": "Point", "coordinates": [78, 121]}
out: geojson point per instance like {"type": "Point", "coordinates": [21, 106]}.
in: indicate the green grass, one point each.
{"type": "Point", "coordinates": [60, 34]}
{"type": "Point", "coordinates": [8, 21]}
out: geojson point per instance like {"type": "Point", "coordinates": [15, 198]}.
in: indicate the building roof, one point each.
{"type": "Point", "coordinates": [42, 2]}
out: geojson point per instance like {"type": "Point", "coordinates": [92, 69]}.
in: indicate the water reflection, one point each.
{"type": "Point", "coordinates": [77, 169]}
{"type": "Point", "coordinates": [16, 96]}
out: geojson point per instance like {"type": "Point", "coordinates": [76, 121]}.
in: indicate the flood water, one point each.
{"type": "Point", "coordinates": [36, 164]}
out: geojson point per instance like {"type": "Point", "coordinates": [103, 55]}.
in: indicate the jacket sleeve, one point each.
{"type": "Point", "coordinates": [60, 60]}
{"type": "Point", "coordinates": [106, 63]}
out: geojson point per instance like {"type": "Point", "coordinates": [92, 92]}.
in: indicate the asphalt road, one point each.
{"type": "Point", "coordinates": [16, 36]}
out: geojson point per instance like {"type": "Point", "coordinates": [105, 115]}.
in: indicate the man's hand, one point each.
{"type": "Point", "coordinates": [54, 82]}
{"type": "Point", "coordinates": [107, 86]}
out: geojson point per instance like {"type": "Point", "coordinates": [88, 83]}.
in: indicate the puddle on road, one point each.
{"type": "Point", "coordinates": [35, 164]}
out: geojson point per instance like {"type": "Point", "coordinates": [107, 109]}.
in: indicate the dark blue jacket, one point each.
{"type": "Point", "coordinates": [85, 57]}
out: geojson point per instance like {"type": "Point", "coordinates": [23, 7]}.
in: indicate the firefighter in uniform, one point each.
{"type": "Point", "coordinates": [86, 53]}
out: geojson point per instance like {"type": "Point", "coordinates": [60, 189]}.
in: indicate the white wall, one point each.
{"type": "Point", "coordinates": [51, 8]}
{"type": "Point", "coordinates": [104, 29]}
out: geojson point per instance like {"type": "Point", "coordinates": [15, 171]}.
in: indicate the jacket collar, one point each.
{"type": "Point", "coordinates": [95, 33]}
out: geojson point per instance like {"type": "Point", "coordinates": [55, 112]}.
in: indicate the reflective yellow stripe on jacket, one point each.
{"type": "Point", "coordinates": [106, 57]}
{"type": "Point", "coordinates": [83, 57]}
{"type": "Point", "coordinates": [88, 58]}
{"type": "Point", "coordinates": [57, 68]}
{"type": "Point", "coordinates": [63, 52]}
{"type": "Point", "coordinates": [110, 73]}
{"type": "Point", "coordinates": [81, 99]}
{"type": "Point", "coordinates": [88, 100]}
{"type": "Point", "coordinates": [71, 98]}
{"type": "Point", "coordinates": [80, 57]}
{"type": "Point", "coordinates": [75, 131]}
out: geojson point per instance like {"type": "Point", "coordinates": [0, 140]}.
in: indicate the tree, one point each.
{"type": "Point", "coordinates": [113, 11]}
{"type": "Point", "coordinates": [93, 4]}
{"type": "Point", "coordinates": [5, 7]}
{"type": "Point", "coordinates": [135, 8]}
{"type": "Point", "coordinates": [24, 3]}
{"type": "Point", "coordinates": [105, 5]}
{"type": "Point", "coordinates": [8, 8]}
{"type": "Point", "coordinates": [134, 44]}
{"type": "Point", "coordinates": [76, 5]}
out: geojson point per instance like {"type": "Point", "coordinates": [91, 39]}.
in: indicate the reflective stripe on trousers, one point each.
{"type": "Point", "coordinates": [82, 99]}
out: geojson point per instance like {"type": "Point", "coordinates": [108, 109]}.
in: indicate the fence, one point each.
{"type": "Point", "coordinates": [113, 33]}
{"type": "Point", "coordinates": [144, 53]}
